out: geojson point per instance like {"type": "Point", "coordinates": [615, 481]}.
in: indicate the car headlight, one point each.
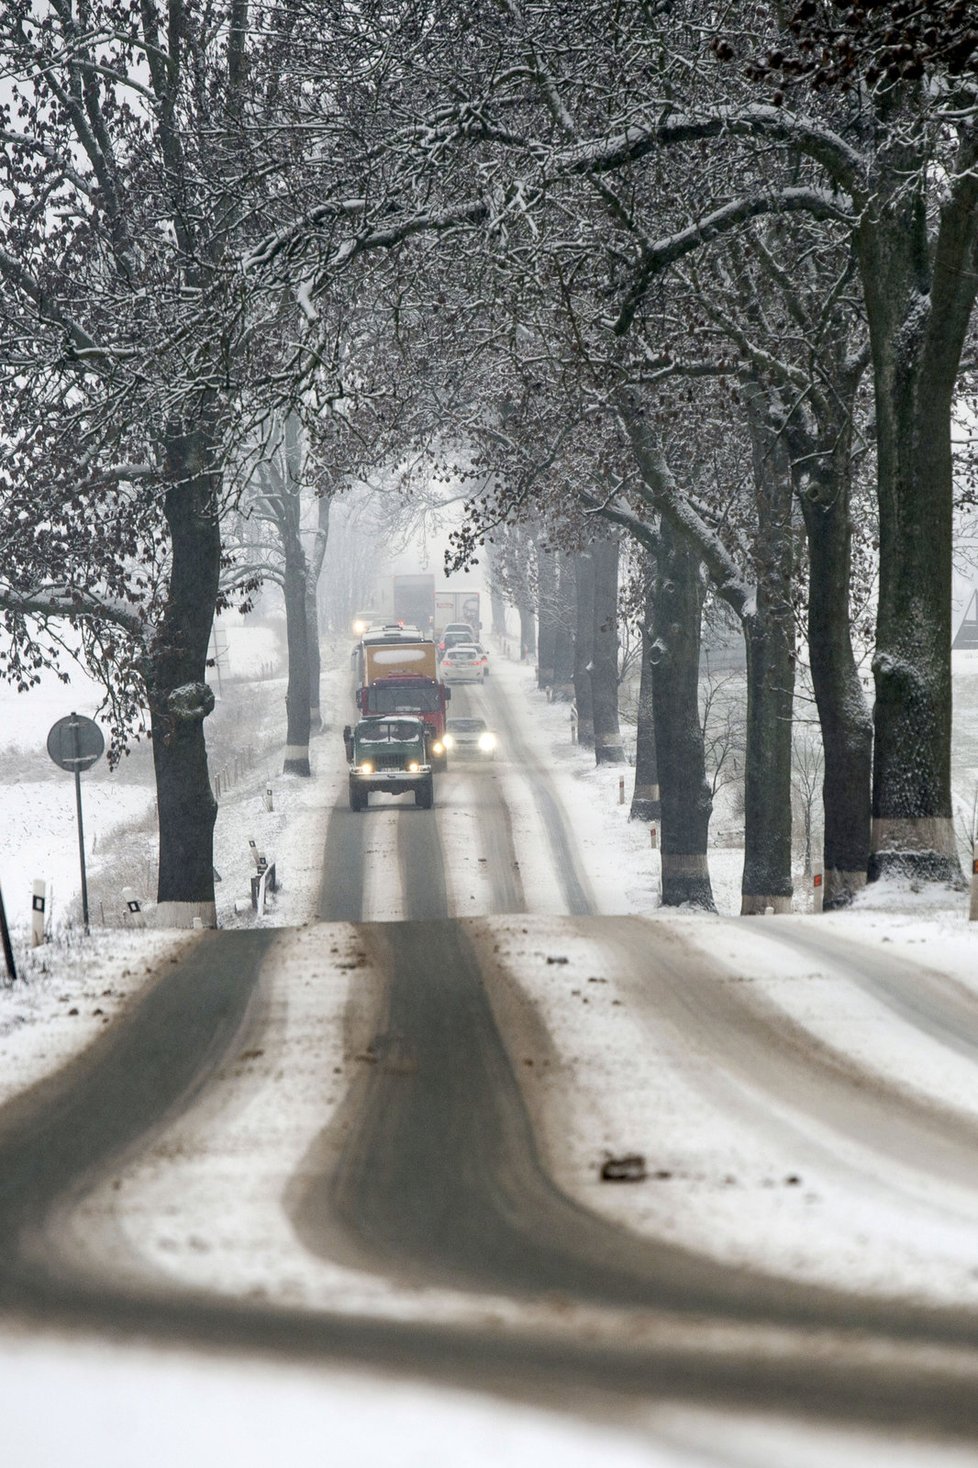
{"type": "Point", "coordinates": [359, 628]}
{"type": "Point", "coordinates": [438, 747]}
{"type": "Point", "coordinates": [487, 742]}
{"type": "Point", "coordinates": [413, 767]}
{"type": "Point", "coordinates": [366, 768]}
{"type": "Point", "coordinates": [449, 741]}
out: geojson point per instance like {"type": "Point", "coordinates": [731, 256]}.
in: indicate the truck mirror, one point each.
{"type": "Point", "coordinates": [448, 694]}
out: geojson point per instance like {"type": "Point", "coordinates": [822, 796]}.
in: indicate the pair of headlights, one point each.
{"type": "Point", "coordinates": [487, 742]}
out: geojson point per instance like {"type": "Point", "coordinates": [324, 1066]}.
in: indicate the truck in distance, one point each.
{"type": "Point", "coordinates": [389, 754]}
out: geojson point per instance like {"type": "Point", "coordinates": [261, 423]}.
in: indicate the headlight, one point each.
{"type": "Point", "coordinates": [366, 768]}
{"type": "Point", "coordinates": [438, 747]}
{"type": "Point", "coordinates": [449, 741]}
{"type": "Point", "coordinates": [487, 742]}
{"type": "Point", "coordinates": [359, 627]}
{"type": "Point", "coordinates": [413, 766]}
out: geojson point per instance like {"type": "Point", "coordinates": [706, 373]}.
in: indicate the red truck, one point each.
{"type": "Point", "coordinates": [399, 677]}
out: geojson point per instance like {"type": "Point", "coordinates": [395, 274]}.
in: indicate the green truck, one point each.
{"type": "Point", "coordinates": [390, 754]}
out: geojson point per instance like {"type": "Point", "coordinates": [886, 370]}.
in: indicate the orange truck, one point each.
{"type": "Point", "coordinates": [400, 677]}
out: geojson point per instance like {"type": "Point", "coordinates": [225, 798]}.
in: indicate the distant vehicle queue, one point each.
{"type": "Point", "coordinates": [402, 694]}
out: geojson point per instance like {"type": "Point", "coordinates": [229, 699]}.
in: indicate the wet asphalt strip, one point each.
{"type": "Point", "coordinates": [441, 1073]}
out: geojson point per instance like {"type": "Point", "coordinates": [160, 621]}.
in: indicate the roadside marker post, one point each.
{"type": "Point", "coordinates": [39, 905]}
{"type": "Point", "coordinates": [621, 789]}
{"type": "Point", "coordinates": [973, 913]}
{"type": "Point", "coordinates": [818, 889]}
{"type": "Point", "coordinates": [135, 917]}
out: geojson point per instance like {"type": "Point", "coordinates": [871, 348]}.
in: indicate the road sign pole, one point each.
{"type": "Point", "coordinates": [8, 951]}
{"type": "Point", "coordinates": [81, 826]}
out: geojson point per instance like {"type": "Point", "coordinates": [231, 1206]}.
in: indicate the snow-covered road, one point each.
{"type": "Point", "coordinates": [801, 1089]}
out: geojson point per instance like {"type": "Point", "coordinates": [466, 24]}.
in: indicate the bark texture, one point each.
{"type": "Point", "coordinates": [919, 280]}
{"type": "Point", "coordinates": [564, 656]}
{"type": "Point", "coordinates": [608, 746]}
{"type": "Point", "coordinates": [583, 649]}
{"type": "Point", "coordinates": [179, 698]}
{"type": "Point", "coordinates": [646, 803]}
{"type": "Point", "coordinates": [314, 568]}
{"type": "Point", "coordinates": [844, 717]}
{"type": "Point", "coordinates": [770, 639]}
{"type": "Point", "coordinates": [547, 616]}
{"type": "Point", "coordinates": [674, 655]}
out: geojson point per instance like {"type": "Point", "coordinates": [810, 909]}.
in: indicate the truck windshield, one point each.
{"type": "Point", "coordinates": [400, 731]}
{"type": "Point", "coordinates": [390, 700]}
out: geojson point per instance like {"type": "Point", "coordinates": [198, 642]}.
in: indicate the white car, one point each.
{"type": "Point", "coordinates": [464, 663]}
{"type": "Point", "coordinates": [470, 736]}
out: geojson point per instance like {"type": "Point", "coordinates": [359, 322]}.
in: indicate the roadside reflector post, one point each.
{"type": "Point", "coordinates": [818, 889]}
{"type": "Point", "coordinates": [39, 907]}
{"type": "Point", "coordinates": [621, 789]}
{"type": "Point", "coordinates": [256, 856]}
{"type": "Point", "coordinates": [269, 802]}
{"type": "Point", "coordinates": [135, 917]}
{"type": "Point", "coordinates": [573, 723]}
{"type": "Point", "coordinates": [973, 913]}
{"type": "Point", "coordinates": [8, 950]}
{"type": "Point", "coordinates": [654, 836]}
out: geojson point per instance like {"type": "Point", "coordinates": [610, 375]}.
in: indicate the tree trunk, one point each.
{"type": "Point", "coordinates": [770, 637]}
{"type": "Point", "coordinates": [674, 655]}
{"type": "Point", "coordinates": [297, 698]}
{"type": "Point", "coordinates": [316, 557]}
{"type": "Point", "coordinates": [288, 511]}
{"type": "Point", "coordinates": [528, 629]}
{"type": "Point", "coordinates": [608, 746]}
{"type": "Point", "coordinates": [547, 616]}
{"type": "Point", "coordinates": [564, 654]}
{"type": "Point", "coordinates": [646, 804]}
{"type": "Point", "coordinates": [844, 718]}
{"type": "Point", "coordinates": [919, 296]}
{"type": "Point", "coordinates": [179, 698]}
{"type": "Point", "coordinates": [583, 649]}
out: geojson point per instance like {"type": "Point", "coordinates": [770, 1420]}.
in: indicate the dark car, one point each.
{"type": "Point", "coordinates": [453, 634]}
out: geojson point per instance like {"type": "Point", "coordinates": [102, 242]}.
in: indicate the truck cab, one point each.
{"type": "Point", "coordinates": [389, 753]}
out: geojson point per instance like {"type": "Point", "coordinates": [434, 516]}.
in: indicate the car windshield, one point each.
{"type": "Point", "coordinates": [466, 726]}
{"type": "Point", "coordinates": [398, 730]}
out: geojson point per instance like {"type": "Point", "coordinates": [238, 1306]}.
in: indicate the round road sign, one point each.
{"type": "Point", "coordinates": [75, 743]}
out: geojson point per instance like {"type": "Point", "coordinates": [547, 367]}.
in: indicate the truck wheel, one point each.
{"type": "Point", "coordinates": [358, 796]}
{"type": "Point", "coordinates": [439, 762]}
{"type": "Point", "coordinates": [424, 795]}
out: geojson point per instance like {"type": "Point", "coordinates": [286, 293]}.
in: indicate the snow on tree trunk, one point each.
{"type": "Point", "coordinates": [674, 657]}
{"type": "Point", "coordinates": [916, 323]}
{"type": "Point", "coordinates": [608, 747]}
{"type": "Point", "coordinates": [179, 697]}
{"type": "Point", "coordinates": [769, 634]}
{"type": "Point", "coordinates": [646, 803]}
{"type": "Point", "coordinates": [583, 649]}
